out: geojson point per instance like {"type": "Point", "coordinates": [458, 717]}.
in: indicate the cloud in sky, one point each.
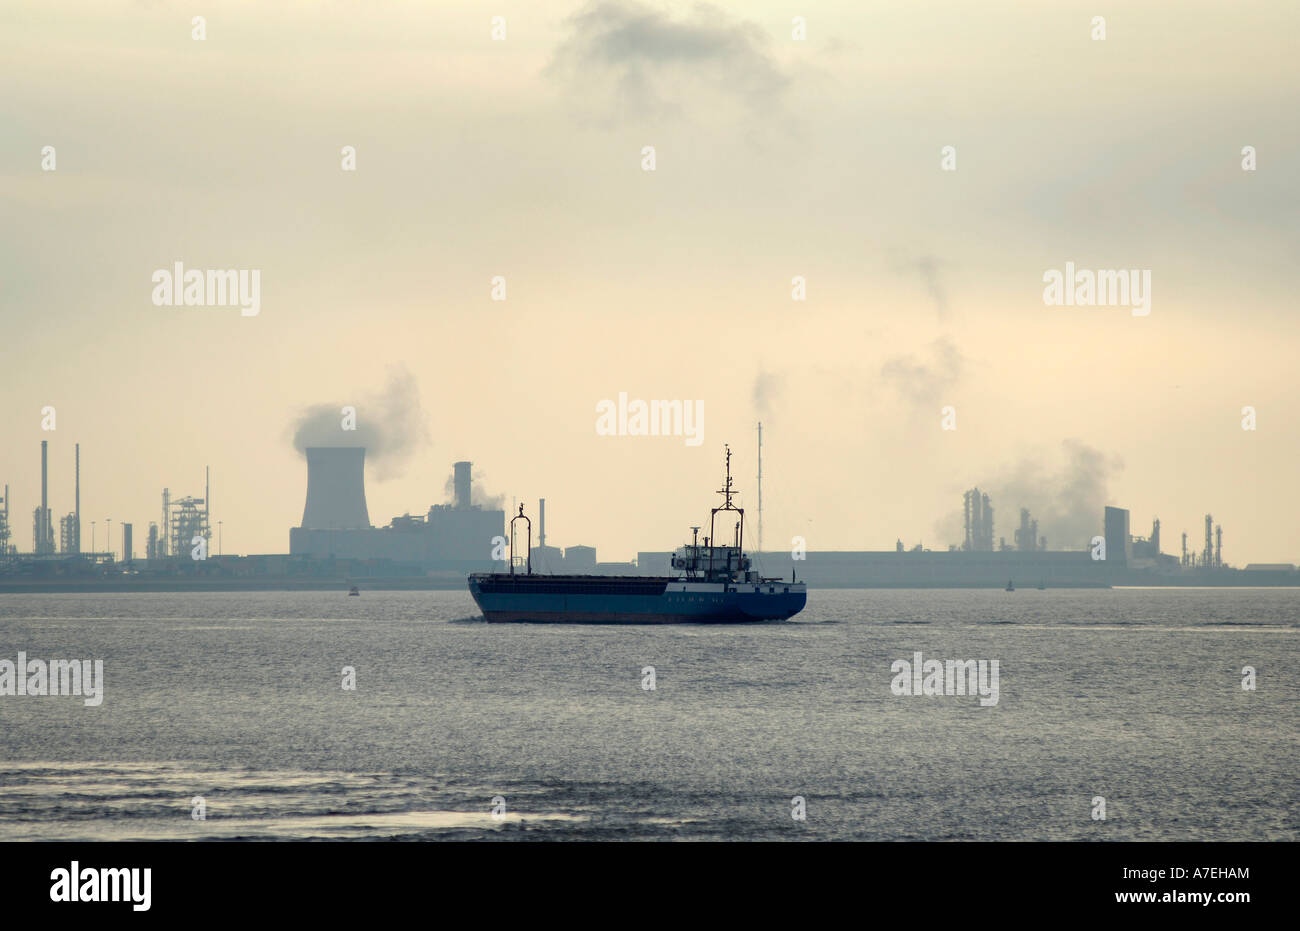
{"type": "Point", "coordinates": [927, 268]}
{"type": "Point", "coordinates": [923, 382]}
{"type": "Point", "coordinates": [655, 64]}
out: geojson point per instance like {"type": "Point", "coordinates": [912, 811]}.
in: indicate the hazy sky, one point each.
{"type": "Point", "coordinates": [775, 157]}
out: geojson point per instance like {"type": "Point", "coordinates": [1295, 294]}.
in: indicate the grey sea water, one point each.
{"type": "Point", "coordinates": [1133, 695]}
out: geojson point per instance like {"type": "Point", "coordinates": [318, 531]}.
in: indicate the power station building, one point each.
{"type": "Point", "coordinates": [336, 522]}
{"type": "Point", "coordinates": [1119, 544]}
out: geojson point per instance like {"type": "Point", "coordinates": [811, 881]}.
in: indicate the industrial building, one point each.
{"type": "Point", "coordinates": [977, 563]}
{"type": "Point", "coordinates": [978, 512]}
{"type": "Point", "coordinates": [66, 554]}
{"type": "Point", "coordinates": [921, 568]}
{"type": "Point", "coordinates": [546, 558]}
{"type": "Point", "coordinates": [4, 524]}
{"type": "Point", "coordinates": [43, 539]}
{"type": "Point", "coordinates": [336, 541]}
{"type": "Point", "coordinates": [336, 522]}
{"type": "Point", "coordinates": [1119, 545]}
{"type": "Point", "coordinates": [42, 525]}
{"type": "Point", "coordinates": [572, 560]}
{"type": "Point", "coordinates": [461, 536]}
{"type": "Point", "coordinates": [1027, 539]}
{"type": "Point", "coordinates": [1148, 547]}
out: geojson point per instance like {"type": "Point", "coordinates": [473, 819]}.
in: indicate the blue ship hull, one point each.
{"type": "Point", "coordinates": [632, 599]}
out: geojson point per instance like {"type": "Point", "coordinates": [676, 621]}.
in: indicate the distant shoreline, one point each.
{"type": "Point", "coordinates": [142, 586]}
{"type": "Point", "coordinates": [101, 586]}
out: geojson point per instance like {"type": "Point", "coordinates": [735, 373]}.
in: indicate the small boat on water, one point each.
{"type": "Point", "coordinates": [354, 590]}
{"type": "Point", "coordinates": [1010, 587]}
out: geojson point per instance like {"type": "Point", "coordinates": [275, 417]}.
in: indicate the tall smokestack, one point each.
{"type": "Point", "coordinates": [336, 490]}
{"type": "Point", "coordinates": [462, 484]}
{"type": "Point", "coordinates": [760, 486]}
{"type": "Point", "coordinates": [45, 501]}
{"type": "Point", "coordinates": [77, 507]}
{"type": "Point", "coordinates": [541, 517]}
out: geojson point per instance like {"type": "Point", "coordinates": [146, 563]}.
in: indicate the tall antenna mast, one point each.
{"type": "Point", "coordinates": [760, 486]}
{"type": "Point", "coordinates": [76, 531]}
{"type": "Point", "coordinates": [726, 491]}
{"type": "Point", "coordinates": [711, 541]}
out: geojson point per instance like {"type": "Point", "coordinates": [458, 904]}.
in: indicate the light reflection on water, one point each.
{"type": "Point", "coordinates": [1131, 694]}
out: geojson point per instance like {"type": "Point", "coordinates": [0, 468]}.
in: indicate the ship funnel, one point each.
{"type": "Point", "coordinates": [462, 482]}
{"type": "Point", "coordinates": [336, 490]}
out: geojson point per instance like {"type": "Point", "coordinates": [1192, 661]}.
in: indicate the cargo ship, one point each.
{"type": "Point", "coordinates": [716, 584]}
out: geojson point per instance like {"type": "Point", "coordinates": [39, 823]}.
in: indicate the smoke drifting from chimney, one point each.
{"type": "Point", "coordinates": [391, 425]}
{"type": "Point", "coordinates": [461, 479]}
{"type": "Point", "coordinates": [1066, 499]}
{"type": "Point", "coordinates": [478, 495]}
{"type": "Point", "coordinates": [767, 391]}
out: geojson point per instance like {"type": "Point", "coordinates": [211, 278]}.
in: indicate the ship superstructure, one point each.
{"type": "Point", "coordinates": [716, 584]}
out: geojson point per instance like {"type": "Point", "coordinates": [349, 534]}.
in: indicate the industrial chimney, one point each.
{"type": "Point", "coordinates": [77, 510]}
{"type": "Point", "coordinates": [541, 508]}
{"type": "Point", "coordinates": [336, 490]}
{"type": "Point", "coordinates": [47, 545]}
{"type": "Point", "coordinates": [462, 479]}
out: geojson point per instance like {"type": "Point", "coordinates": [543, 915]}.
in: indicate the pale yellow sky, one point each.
{"type": "Point", "coordinates": [774, 158]}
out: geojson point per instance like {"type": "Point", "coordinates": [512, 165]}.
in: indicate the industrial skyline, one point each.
{"type": "Point", "coordinates": [336, 523]}
{"type": "Point", "coordinates": [922, 287]}
{"type": "Point", "coordinates": [629, 420]}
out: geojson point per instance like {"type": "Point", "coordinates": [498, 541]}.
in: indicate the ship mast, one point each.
{"type": "Point", "coordinates": [726, 492]}
{"type": "Point", "coordinates": [528, 524]}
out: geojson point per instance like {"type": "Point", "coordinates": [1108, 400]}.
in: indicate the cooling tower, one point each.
{"type": "Point", "coordinates": [462, 484]}
{"type": "Point", "coordinates": [336, 490]}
